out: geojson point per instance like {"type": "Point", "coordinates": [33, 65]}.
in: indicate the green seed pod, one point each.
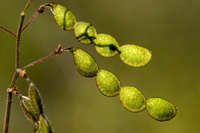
{"type": "Point", "coordinates": [64, 18]}
{"type": "Point", "coordinates": [28, 110]}
{"type": "Point", "coordinates": [106, 45]}
{"type": "Point", "coordinates": [132, 99]}
{"type": "Point", "coordinates": [35, 98]}
{"type": "Point", "coordinates": [108, 83]}
{"type": "Point", "coordinates": [134, 55]}
{"type": "Point", "coordinates": [85, 64]}
{"type": "Point", "coordinates": [160, 109]}
{"type": "Point", "coordinates": [44, 126]}
{"type": "Point", "coordinates": [85, 32]}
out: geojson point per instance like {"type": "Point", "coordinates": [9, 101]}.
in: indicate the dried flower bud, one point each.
{"type": "Point", "coordinates": [132, 99]}
{"type": "Point", "coordinates": [160, 109]}
{"type": "Point", "coordinates": [106, 45]}
{"type": "Point", "coordinates": [64, 18]}
{"type": "Point", "coordinates": [134, 55]}
{"type": "Point", "coordinates": [85, 32]}
{"type": "Point", "coordinates": [108, 83]}
{"type": "Point", "coordinates": [85, 64]}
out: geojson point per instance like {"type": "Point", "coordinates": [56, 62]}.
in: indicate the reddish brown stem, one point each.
{"type": "Point", "coordinates": [15, 76]}
{"type": "Point", "coordinates": [22, 16]}
{"type": "Point", "coordinates": [39, 61]}
{"type": "Point", "coordinates": [8, 109]}
{"type": "Point", "coordinates": [39, 11]}
{"type": "Point", "coordinates": [59, 50]}
{"type": "Point", "coordinates": [30, 21]}
{"type": "Point", "coordinates": [8, 31]}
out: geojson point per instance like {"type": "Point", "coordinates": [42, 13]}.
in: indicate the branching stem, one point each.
{"type": "Point", "coordinates": [15, 75]}
{"type": "Point", "coordinates": [12, 89]}
{"type": "Point", "coordinates": [39, 11]}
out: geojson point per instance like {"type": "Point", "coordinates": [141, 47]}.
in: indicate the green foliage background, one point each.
{"type": "Point", "coordinates": [170, 29]}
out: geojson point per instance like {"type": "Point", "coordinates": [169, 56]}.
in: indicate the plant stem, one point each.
{"type": "Point", "coordinates": [39, 60]}
{"type": "Point", "coordinates": [59, 50]}
{"type": "Point", "coordinates": [28, 3]}
{"type": "Point", "coordinates": [8, 109]}
{"type": "Point", "coordinates": [22, 16]}
{"type": "Point", "coordinates": [30, 21]}
{"type": "Point", "coordinates": [11, 89]}
{"type": "Point", "coordinates": [39, 11]}
{"type": "Point", "coordinates": [15, 76]}
{"type": "Point", "coordinates": [8, 31]}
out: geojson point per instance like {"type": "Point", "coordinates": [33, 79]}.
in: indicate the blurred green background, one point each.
{"type": "Point", "coordinates": [169, 28]}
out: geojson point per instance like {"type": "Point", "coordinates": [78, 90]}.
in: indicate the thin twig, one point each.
{"type": "Point", "coordinates": [27, 5]}
{"type": "Point", "coordinates": [14, 79]}
{"type": "Point", "coordinates": [19, 31]}
{"type": "Point", "coordinates": [8, 31]}
{"type": "Point", "coordinates": [39, 11]}
{"type": "Point", "coordinates": [8, 109]}
{"type": "Point", "coordinates": [30, 21]}
{"type": "Point", "coordinates": [39, 61]}
{"type": "Point", "coordinates": [10, 91]}
{"type": "Point", "coordinates": [58, 50]}
{"type": "Point", "coordinates": [15, 76]}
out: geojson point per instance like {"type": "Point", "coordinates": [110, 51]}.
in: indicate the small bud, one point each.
{"type": "Point", "coordinates": [132, 99]}
{"type": "Point", "coordinates": [108, 83]}
{"type": "Point", "coordinates": [134, 55]}
{"type": "Point", "coordinates": [106, 45]}
{"type": "Point", "coordinates": [85, 63]}
{"type": "Point", "coordinates": [85, 32]}
{"type": "Point", "coordinates": [64, 18]}
{"type": "Point", "coordinates": [160, 109]}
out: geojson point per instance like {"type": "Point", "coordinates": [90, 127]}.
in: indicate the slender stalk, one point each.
{"type": "Point", "coordinates": [22, 16]}
{"type": "Point", "coordinates": [8, 31]}
{"type": "Point", "coordinates": [39, 11]}
{"type": "Point", "coordinates": [39, 60]}
{"type": "Point", "coordinates": [14, 79]}
{"type": "Point", "coordinates": [8, 109]}
{"type": "Point", "coordinates": [58, 50]}
{"type": "Point", "coordinates": [15, 76]}
{"type": "Point", "coordinates": [30, 21]}
{"type": "Point", "coordinates": [28, 3]}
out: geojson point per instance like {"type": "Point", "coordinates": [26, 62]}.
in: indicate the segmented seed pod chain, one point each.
{"type": "Point", "coordinates": [132, 99]}
{"type": "Point", "coordinates": [107, 46]}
